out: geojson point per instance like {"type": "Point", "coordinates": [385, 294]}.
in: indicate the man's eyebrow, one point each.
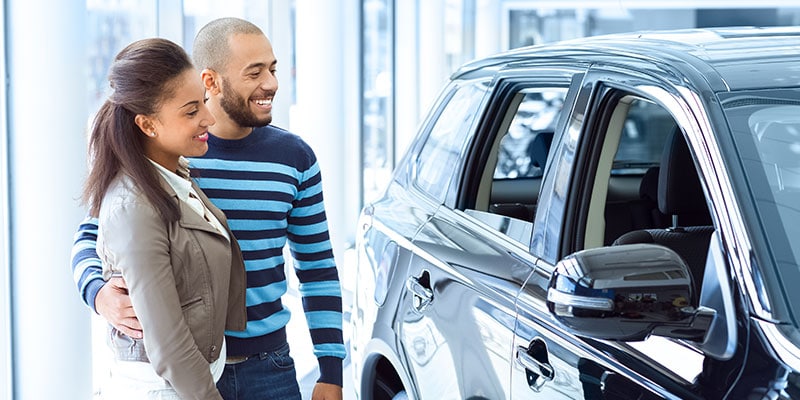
{"type": "Point", "coordinates": [260, 65]}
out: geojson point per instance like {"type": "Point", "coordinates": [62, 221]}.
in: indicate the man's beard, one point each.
{"type": "Point", "coordinates": [238, 109]}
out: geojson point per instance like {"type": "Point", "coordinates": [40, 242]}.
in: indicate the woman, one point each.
{"type": "Point", "coordinates": [157, 229]}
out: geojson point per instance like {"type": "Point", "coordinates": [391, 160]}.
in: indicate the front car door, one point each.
{"type": "Point", "coordinates": [617, 131]}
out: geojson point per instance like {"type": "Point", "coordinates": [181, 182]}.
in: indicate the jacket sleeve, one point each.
{"type": "Point", "coordinates": [316, 270]}
{"type": "Point", "coordinates": [87, 271]}
{"type": "Point", "coordinates": [134, 239]}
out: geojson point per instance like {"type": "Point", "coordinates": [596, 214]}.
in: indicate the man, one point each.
{"type": "Point", "coordinates": [267, 181]}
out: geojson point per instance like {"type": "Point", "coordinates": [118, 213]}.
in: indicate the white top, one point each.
{"type": "Point", "coordinates": [186, 193]}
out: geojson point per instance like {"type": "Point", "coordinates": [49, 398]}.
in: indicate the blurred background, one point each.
{"type": "Point", "coordinates": [356, 78]}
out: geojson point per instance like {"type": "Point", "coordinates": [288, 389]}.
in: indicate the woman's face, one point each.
{"type": "Point", "coordinates": [181, 123]}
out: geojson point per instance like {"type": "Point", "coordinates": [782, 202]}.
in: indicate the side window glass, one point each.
{"type": "Point", "coordinates": [524, 146]}
{"type": "Point", "coordinates": [438, 160]}
{"type": "Point", "coordinates": [509, 185]}
{"type": "Point", "coordinates": [644, 133]}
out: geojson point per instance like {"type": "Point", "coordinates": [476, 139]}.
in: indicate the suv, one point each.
{"type": "Point", "coordinates": [611, 217]}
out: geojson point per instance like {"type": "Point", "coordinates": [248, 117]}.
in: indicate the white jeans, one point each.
{"type": "Point", "coordinates": [134, 380]}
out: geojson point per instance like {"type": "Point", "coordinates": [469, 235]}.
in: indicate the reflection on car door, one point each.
{"type": "Point", "coordinates": [457, 318]}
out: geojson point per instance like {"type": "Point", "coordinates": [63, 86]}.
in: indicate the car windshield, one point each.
{"type": "Point", "coordinates": [766, 130]}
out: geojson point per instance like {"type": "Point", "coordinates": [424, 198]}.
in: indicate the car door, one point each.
{"type": "Point", "coordinates": [456, 321]}
{"type": "Point", "coordinates": [579, 200]}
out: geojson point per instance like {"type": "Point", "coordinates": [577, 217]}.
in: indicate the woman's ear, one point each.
{"type": "Point", "coordinates": [210, 80]}
{"type": "Point", "coordinates": [145, 123]}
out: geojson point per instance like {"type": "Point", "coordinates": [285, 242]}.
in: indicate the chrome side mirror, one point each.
{"type": "Point", "coordinates": [627, 293]}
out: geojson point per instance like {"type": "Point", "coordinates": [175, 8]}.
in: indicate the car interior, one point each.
{"type": "Point", "coordinates": [645, 189]}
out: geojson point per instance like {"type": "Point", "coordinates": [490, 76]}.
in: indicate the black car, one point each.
{"type": "Point", "coordinates": [612, 217]}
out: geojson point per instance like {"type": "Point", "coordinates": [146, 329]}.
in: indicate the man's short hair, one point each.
{"type": "Point", "coordinates": [211, 49]}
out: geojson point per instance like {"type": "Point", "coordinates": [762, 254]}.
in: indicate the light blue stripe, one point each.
{"type": "Point", "coordinates": [256, 224]}
{"type": "Point", "coordinates": [265, 294]}
{"type": "Point", "coordinates": [312, 247]}
{"type": "Point", "coordinates": [264, 326]}
{"type": "Point", "coordinates": [250, 166]}
{"type": "Point", "coordinates": [83, 265]}
{"type": "Point", "coordinates": [319, 264]}
{"type": "Point", "coordinates": [82, 246]}
{"type": "Point", "coordinates": [324, 319]}
{"type": "Point", "coordinates": [252, 205]}
{"type": "Point", "coordinates": [311, 191]}
{"type": "Point", "coordinates": [246, 185]}
{"type": "Point", "coordinates": [323, 288]}
{"type": "Point", "coordinates": [313, 209]}
{"type": "Point", "coordinates": [262, 244]}
{"type": "Point", "coordinates": [308, 230]}
{"type": "Point", "coordinates": [262, 263]}
{"type": "Point", "coordinates": [330, 350]}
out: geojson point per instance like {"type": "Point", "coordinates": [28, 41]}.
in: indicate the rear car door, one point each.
{"type": "Point", "coordinates": [456, 320]}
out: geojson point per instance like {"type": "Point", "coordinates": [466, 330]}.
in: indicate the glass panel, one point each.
{"type": "Point", "coordinates": [646, 129]}
{"type": "Point", "coordinates": [537, 23]}
{"type": "Point", "coordinates": [112, 25]}
{"type": "Point", "coordinates": [524, 148]}
{"type": "Point", "coordinates": [377, 127]}
{"type": "Point", "coordinates": [766, 128]}
{"type": "Point", "coordinates": [438, 160]}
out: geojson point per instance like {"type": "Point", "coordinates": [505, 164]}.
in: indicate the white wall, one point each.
{"type": "Point", "coordinates": [47, 157]}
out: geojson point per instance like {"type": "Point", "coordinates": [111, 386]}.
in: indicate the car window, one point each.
{"type": "Point", "coordinates": [437, 162]}
{"type": "Point", "coordinates": [526, 143]}
{"type": "Point", "coordinates": [644, 131]}
{"type": "Point", "coordinates": [516, 153]}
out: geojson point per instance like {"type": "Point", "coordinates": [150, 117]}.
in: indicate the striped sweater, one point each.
{"type": "Point", "coordinates": [270, 188]}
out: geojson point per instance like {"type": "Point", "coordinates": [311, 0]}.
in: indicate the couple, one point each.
{"type": "Point", "coordinates": [163, 242]}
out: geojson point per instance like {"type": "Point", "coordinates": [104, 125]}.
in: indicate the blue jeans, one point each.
{"type": "Point", "coordinates": [269, 375]}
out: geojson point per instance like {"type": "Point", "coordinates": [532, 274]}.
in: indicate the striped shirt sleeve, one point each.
{"type": "Point", "coordinates": [309, 241]}
{"type": "Point", "coordinates": [87, 270]}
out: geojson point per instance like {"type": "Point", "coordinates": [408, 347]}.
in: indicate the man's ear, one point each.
{"type": "Point", "coordinates": [210, 80]}
{"type": "Point", "coordinates": [145, 123]}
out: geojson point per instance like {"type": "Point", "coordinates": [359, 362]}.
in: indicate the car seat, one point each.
{"type": "Point", "coordinates": [680, 195]}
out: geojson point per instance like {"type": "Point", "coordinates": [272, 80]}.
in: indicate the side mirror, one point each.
{"type": "Point", "coordinates": [627, 293]}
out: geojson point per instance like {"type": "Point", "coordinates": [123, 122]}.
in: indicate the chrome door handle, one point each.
{"type": "Point", "coordinates": [539, 372]}
{"type": "Point", "coordinates": [422, 295]}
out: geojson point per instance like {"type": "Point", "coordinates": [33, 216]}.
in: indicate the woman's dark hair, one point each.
{"type": "Point", "coordinates": [141, 77]}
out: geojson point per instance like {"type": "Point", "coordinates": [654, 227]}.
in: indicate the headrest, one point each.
{"type": "Point", "coordinates": [679, 189]}
{"type": "Point", "coordinates": [539, 147]}
{"type": "Point", "coordinates": [648, 187]}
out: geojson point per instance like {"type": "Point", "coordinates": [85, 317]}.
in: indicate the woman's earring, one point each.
{"type": "Point", "coordinates": [153, 134]}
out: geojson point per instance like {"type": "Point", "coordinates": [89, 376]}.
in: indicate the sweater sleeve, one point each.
{"type": "Point", "coordinates": [87, 271]}
{"type": "Point", "coordinates": [316, 271]}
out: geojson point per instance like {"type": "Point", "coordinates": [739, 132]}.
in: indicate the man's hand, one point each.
{"type": "Point", "coordinates": [326, 391]}
{"type": "Point", "coordinates": [113, 303]}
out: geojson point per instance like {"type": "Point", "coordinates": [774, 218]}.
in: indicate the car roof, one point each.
{"type": "Point", "coordinates": [729, 59]}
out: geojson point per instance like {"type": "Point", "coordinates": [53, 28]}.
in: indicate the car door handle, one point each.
{"type": "Point", "coordinates": [422, 295]}
{"type": "Point", "coordinates": [538, 372]}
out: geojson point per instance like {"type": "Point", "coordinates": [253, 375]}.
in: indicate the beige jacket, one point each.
{"type": "Point", "coordinates": [186, 282]}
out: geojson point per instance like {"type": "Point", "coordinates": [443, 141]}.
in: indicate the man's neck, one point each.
{"type": "Point", "coordinates": [229, 130]}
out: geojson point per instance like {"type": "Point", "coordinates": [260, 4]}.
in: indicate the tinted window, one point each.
{"type": "Point", "coordinates": [524, 148]}
{"type": "Point", "coordinates": [438, 160]}
{"type": "Point", "coordinates": [766, 128]}
{"type": "Point", "coordinates": [645, 130]}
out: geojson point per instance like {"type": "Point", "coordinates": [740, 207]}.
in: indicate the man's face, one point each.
{"type": "Point", "coordinates": [248, 83]}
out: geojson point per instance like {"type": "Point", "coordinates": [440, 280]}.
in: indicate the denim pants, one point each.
{"type": "Point", "coordinates": [268, 375]}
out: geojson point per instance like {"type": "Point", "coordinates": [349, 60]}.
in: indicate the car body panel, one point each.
{"type": "Point", "coordinates": [453, 298]}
